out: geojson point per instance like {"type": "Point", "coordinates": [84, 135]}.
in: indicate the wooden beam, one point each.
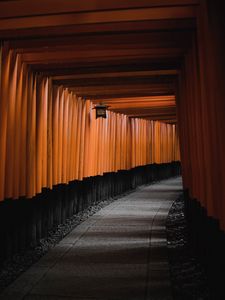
{"type": "Point", "coordinates": [147, 110]}
{"type": "Point", "coordinates": [141, 106]}
{"type": "Point", "coordinates": [116, 81]}
{"type": "Point", "coordinates": [9, 9]}
{"type": "Point", "coordinates": [116, 74]}
{"type": "Point", "coordinates": [119, 94]}
{"type": "Point", "coordinates": [168, 119]}
{"type": "Point", "coordinates": [120, 65]}
{"type": "Point", "coordinates": [101, 55]}
{"type": "Point", "coordinates": [122, 88]}
{"type": "Point", "coordinates": [74, 31]}
{"type": "Point", "coordinates": [157, 116]}
{"type": "Point", "coordinates": [140, 99]}
{"type": "Point", "coordinates": [101, 40]}
{"type": "Point", "coordinates": [125, 15]}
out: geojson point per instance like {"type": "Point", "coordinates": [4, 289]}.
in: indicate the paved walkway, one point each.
{"type": "Point", "coordinates": [117, 254]}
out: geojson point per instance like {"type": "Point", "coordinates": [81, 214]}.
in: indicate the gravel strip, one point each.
{"type": "Point", "coordinates": [187, 275]}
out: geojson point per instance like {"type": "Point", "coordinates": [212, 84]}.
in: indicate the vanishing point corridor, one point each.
{"type": "Point", "coordinates": [112, 165]}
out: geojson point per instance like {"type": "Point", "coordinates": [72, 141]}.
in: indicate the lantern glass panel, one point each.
{"type": "Point", "coordinates": [100, 113]}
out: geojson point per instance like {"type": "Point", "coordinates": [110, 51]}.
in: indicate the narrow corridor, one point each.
{"type": "Point", "coordinates": [119, 253]}
{"type": "Point", "coordinates": [97, 99]}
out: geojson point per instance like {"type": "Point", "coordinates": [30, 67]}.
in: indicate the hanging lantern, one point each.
{"type": "Point", "coordinates": [100, 110]}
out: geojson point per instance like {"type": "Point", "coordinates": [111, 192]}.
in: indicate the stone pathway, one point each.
{"type": "Point", "coordinates": [120, 253]}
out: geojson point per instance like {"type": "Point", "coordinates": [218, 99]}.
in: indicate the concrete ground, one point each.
{"type": "Point", "coordinates": [120, 253]}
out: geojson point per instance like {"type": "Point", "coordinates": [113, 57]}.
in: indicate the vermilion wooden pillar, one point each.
{"type": "Point", "coordinates": [50, 136]}
{"type": "Point", "coordinates": [201, 111]}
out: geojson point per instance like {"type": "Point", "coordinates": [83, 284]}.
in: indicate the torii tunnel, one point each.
{"type": "Point", "coordinates": [157, 67]}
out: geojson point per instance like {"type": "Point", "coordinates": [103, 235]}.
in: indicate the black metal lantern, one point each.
{"type": "Point", "coordinates": [100, 110]}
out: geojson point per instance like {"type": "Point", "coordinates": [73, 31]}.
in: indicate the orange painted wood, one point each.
{"type": "Point", "coordinates": [50, 136]}
{"type": "Point", "coordinates": [11, 128]}
{"type": "Point", "coordinates": [65, 135]}
{"type": "Point", "coordinates": [126, 15]}
{"type": "Point", "coordinates": [55, 135]}
{"type": "Point", "coordinates": [18, 115]}
{"type": "Point", "coordinates": [40, 133]}
{"type": "Point", "coordinates": [22, 8]}
{"type": "Point", "coordinates": [201, 108]}
{"type": "Point", "coordinates": [44, 109]}
{"type": "Point", "coordinates": [5, 74]}
{"type": "Point", "coordinates": [32, 169]}
{"type": "Point", "coordinates": [23, 136]}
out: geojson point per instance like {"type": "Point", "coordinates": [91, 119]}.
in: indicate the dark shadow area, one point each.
{"type": "Point", "coordinates": [189, 275]}
{"type": "Point", "coordinates": [28, 227]}
{"type": "Point", "coordinates": [208, 242]}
